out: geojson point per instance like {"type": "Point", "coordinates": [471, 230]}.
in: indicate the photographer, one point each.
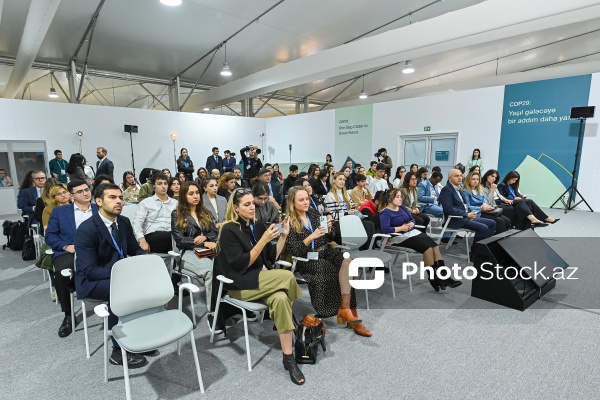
{"type": "Point", "coordinates": [386, 160]}
{"type": "Point", "coordinates": [252, 163]}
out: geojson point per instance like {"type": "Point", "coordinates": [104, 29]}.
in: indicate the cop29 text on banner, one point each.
{"type": "Point", "coordinates": [353, 134]}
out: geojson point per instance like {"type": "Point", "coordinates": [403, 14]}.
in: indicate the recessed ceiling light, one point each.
{"type": "Point", "coordinates": [172, 3]}
{"type": "Point", "coordinates": [206, 109]}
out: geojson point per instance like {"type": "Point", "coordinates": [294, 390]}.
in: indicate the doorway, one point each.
{"type": "Point", "coordinates": [429, 150]}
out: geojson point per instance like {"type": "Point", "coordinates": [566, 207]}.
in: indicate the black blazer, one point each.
{"type": "Point", "coordinates": [185, 240]}
{"type": "Point", "coordinates": [105, 167]}
{"type": "Point", "coordinates": [453, 205]}
{"type": "Point", "coordinates": [96, 252]}
{"type": "Point", "coordinates": [187, 170]}
{"type": "Point", "coordinates": [505, 191]}
{"type": "Point", "coordinates": [235, 244]}
{"type": "Point", "coordinates": [318, 187]}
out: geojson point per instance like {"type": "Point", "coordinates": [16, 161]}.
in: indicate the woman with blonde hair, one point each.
{"type": "Point", "coordinates": [59, 196]}
{"type": "Point", "coordinates": [327, 271]}
{"type": "Point", "coordinates": [338, 200]}
{"type": "Point", "coordinates": [476, 200]}
{"type": "Point", "coordinates": [246, 255]}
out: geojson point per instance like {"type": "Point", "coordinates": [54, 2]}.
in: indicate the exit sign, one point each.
{"type": "Point", "coordinates": [427, 128]}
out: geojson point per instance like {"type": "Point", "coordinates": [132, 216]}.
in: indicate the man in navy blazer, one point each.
{"type": "Point", "coordinates": [104, 166]}
{"type": "Point", "coordinates": [60, 236]}
{"type": "Point", "coordinates": [428, 195]}
{"type": "Point", "coordinates": [101, 241]}
{"type": "Point", "coordinates": [453, 203]}
{"type": "Point", "coordinates": [228, 162]}
{"type": "Point", "coordinates": [215, 161]}
{"type": "Point", "coordinates": [27, 198]}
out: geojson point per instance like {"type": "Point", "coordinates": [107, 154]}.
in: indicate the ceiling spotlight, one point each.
{"type": "Point", "coordinates": [206, 109]}
{"type": "Point", "coordinates": [363, 94]}
{"type": "Point", "coordinates": [172, 3]}
{"type": "Point", "coordinates": [225, 71]}
{"type": "Point", "coordinates": [408, 68]}
{"type": "Point", "coordinates": [52, 93]}
{"type": "Point", "coordinates": [173, 135]}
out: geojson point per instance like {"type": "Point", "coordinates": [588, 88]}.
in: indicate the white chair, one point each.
{"type": "Point", "coordinates": [257, 307]}
{"type": "Point", "coordinates": [351, 228]}
{"type": "Point", "coordinates": [129, 211]}
{"type": "Point", "coordinates": [38, 240]}
{"type": "Point", "coordinates": [140, 287]}
{"type": "Point", "coordinates": [455, 231]}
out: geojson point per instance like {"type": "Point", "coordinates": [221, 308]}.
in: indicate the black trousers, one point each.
{"type": "Point", "coordinates": [64, 285]}
{"type": "Point", "coordinates": [522, 209]}
{"type": "Point", "coordinates": [502, 223]}
{"type": "Point", "coordinates": [421, 219]}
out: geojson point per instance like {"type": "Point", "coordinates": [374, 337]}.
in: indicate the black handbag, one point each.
{"type": "Point", "coordinates": [309, 334]}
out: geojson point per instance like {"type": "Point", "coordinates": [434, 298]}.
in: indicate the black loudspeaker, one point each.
{"type": "Point", "coordinates": [582, 112]}
{"type": "Point", "coordinates": [131, 129]}
{"type": "Point", "coordinates": [514, 269]}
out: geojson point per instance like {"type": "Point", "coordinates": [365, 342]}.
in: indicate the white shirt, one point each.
{"type": "Point", "coordinates": [461, 197]}
{"type": "Point", "coordinates": [377, 184]}
{"type": "Point", "coordinates": [108, 222]}
{"type": "Point", "coordinates": [153, 215]}
{"type": "Point", "coordinates": [213, 201]}
{"type": "Point", "coordinates": [81, 215]}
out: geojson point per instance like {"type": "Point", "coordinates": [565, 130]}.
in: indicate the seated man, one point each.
{"type": "Point", "coordinates": [291, 179]}
{"type": "Point", "coordinates": [239, 182]}
{"type": "Point", "coordinates": [276, 197]}
{"type": "Point", "coordinates": [453, 203]}
{"type": "Point", "coordinates": [101, 241]}
{"type": "Point", "coordinates": [216, 174]}
{"type": "Point", "coordinates": [360, 194]}
{"type": "Point", "coordinates": [429, 194]}
{"type": "Point", "coordinates": [152, 222]}
{"type": "Point", "coordinates": [27, 198]}
{"type": "Point", "coordinates": [60, 236]}
{"type": "Point", "coordinates": [377, 183]}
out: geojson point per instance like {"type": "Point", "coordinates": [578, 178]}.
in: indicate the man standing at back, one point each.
{"type": "Point", "coordinates": [60, 236]}
{"type": "Point", "coordinates": [214, 161]}
{"type": "Point", "coordinates": [291, 179]}
{"type": "Point", "coordinates": [228, 162]}
{"type": "Point", "coordinates": [58, 167]}
{"type": "Point", "coordinates": [104, 166]}
{"type": "Point", "coordinates": [101, 241]}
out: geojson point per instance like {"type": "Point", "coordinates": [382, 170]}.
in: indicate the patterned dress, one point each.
{"type": "Point", "coordinates": [321, 275]}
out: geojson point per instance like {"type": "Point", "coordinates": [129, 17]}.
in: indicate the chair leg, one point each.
{"type": "Point", "coordinates": [85, 329]}
{"type": "Point", "coordinates": [468, 250]}
{"type": "Point", "coordinates": [44, 274]}
{"type": "Point", "coordinates": [247, 340]}
{"type": "Point", "coordinates": [214, 325]}
{"type": "Point", "coordinates": [73, 320]}
{"type": "Point", "coordinates": [196, 361]}
{"type": "Point", "coordinates": [366, 291]}
{"type": "Point", "coordinates": [126, 374]}
{"type": "Point", "coordinates": [392, 278]}
{"type": "Point", "coordinates": [105, 349]}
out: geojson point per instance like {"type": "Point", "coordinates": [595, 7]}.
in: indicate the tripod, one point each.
{"type": "Point", "coordinates": [572, 190]}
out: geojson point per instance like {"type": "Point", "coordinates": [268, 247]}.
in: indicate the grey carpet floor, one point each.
{"type": "Point", "coordinates": [425, 344]}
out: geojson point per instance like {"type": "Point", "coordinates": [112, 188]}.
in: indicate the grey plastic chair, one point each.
{"type": "Point", "coordinates": [140, 287]}
{"type": "Point", "coordinates": [455, 231]}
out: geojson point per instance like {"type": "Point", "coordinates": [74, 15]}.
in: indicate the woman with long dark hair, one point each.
{"type": "Point", "coordinates": [399, 177]}
{"type": "Point", "coordinates": [75, 168]}
{"type": "Point", "coordinates": [396, 218]}
{"type": "Point", "coordinates": [245, 255]}
{"type": "Point", "coordinates": [191, 227]}
{"type": "Point", "coordinates": [130, 187]}
{"type": "Point", "coordinates": [185, 164]}
{"type": "Point", "coordinates": [327, 276]}
{"type": "Point", "coordinates": [475, 160]}
{"type": "Point", "coordinates": [410, 197]}
{"type": "Point", "coordinates": [174, 188]}
{"type": "Point", "coordinates": [524, 208]}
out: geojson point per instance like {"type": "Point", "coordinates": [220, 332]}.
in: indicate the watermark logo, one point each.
{"type": "Point", "coordinates": [366, 262]}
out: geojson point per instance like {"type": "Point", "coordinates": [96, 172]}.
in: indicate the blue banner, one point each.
{"type": "Point", "coordinates": [538, 139]}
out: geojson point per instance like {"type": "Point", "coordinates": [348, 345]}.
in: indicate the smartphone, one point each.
{"type": "Point", "coordinates": [323, 221]}
{"type": "Point", "coordinates": [280, 227]}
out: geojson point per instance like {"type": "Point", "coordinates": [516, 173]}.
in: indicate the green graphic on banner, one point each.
{"type": "Point", "coordinates": [353, 135]}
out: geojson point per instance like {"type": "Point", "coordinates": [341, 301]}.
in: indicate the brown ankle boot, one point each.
{"type": "Point", "coordinates": [345, 316]}
{"type": "Point", "coordinates": [360, 328]}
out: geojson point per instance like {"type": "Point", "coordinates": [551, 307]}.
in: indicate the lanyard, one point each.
{"type": "Point", "coordinates": [343, 203]}
{"type": "Point", "coordinates": [313, 202]}
{"type": "Point", "coordinates": [253, 243]}
{"type": "Point", "coordinates": [310, 228]}
{"type": "Point", "coordinates": [512, 191]}
{"type": "Point", "coordinates": [117, 247]}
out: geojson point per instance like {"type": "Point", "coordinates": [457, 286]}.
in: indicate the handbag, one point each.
{"type": "Point", "coordinates": [204, 252]}
{"type": "Point", "coordinates": [45, 260]}
{"type": "Point", "coordinates": [495, 212]}
{"type": "Point", "coordinates": [309, 334]}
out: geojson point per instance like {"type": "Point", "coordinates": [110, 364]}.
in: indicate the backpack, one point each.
{"type": "Point", "coordinates": [28, 252]}
{"type": "Point", "coordinates": [309, 334]}
{"type": "Point", "coordinates": [16, 235]}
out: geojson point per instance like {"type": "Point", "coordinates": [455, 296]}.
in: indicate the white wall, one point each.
{"type": "Point", "coordinates": [56, 123]}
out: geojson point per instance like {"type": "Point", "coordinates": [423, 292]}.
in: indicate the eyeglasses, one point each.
{"type": "Point", "coordinates": [82, 191]}
{"type": "Point", "coordinates": [263, 199]}
{"type": "Point", "coordinates": [43, 178]}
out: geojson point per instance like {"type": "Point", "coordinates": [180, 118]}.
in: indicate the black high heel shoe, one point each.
{"type": "Point", "coordinates": [539, 224]}
{"type": "Point", "coordinates": [553, 222]}
{"type": "Point", "coordinates": [289, 363]}
{"type": "Point", "coordinates": [435, 283]}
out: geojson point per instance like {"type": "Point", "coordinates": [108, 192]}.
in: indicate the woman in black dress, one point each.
{"type": "Point", "coordinates": [328, 275]}
{"type": "Point", "coordinates": [185, 165]}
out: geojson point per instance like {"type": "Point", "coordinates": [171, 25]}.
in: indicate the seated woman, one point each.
{"type": "Point", "coordinates": [313, 174]}
{"type": "Point", "coordinates": [410, 196]}
{"type": "Point", "coordinates": [327, 273]}
{"type": "Point", "coordinates": [525, 208]}
{"type": "Point", "coordinates": [316, 202]}
{"type": "Point", "coordinates": [321, 185]}
{"type": "Point", "coordinates": [399, 177]}
{"type": "Point", "coordinates": [476, 169]}
{"type": "Point", "coordinates": [422, 174]}
{"type": "Point", "coordinates": [226, 185]}
{"type": "Point", "coordinates": [245, 250]}
{"type": "Point", "coordinates": [360, 194]}
{"type": "Point", "coordinates": [192, 226]}
{"type": "Point", "coordinates": [174, 188]}
{"type": "Point", "coordinates": [213, 202]}
{"type": "Point", "coordinates": [476, 200]}
{"type": "Point", "coordinates": [265, 211]}
{"type": "Point", "coordinates": [202, 174]}
{"type": "Point", "coordinates": [167, 172]}
{"type": "Point", "coordinates": [337, 200]}
{"type": "Point", "coordinates": [130, 188]}
{"type": "Point", "coordinates": [396, 218]}
{"type": "Point", "coordinates": [59, 196]}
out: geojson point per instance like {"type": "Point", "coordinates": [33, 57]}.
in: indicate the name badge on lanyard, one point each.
{"type": "Point", "coordinates": [121, 256]}
{"type": "Point", "coordinates": [311, 255]}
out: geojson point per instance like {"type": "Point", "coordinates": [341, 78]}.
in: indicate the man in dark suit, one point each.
{"type": "Point", "coordinates": [101, 241]}
{"type": "Point", "coordinates": [215, 161]}
{"type": "Point", "coordinates": [104, 166]}
{"type": "Point", "coordinates": [60, 236]}
{"type": "Point", "coordinates": [228, 162]}
{"type": "Point", "coordinates": [27, 198]}
{"type": "Point", "coordinates": [239, 182]}
{"type": "Point", "coordinates": [453, 203]}
{"type": "Point", "coordinates": [274, 187]}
